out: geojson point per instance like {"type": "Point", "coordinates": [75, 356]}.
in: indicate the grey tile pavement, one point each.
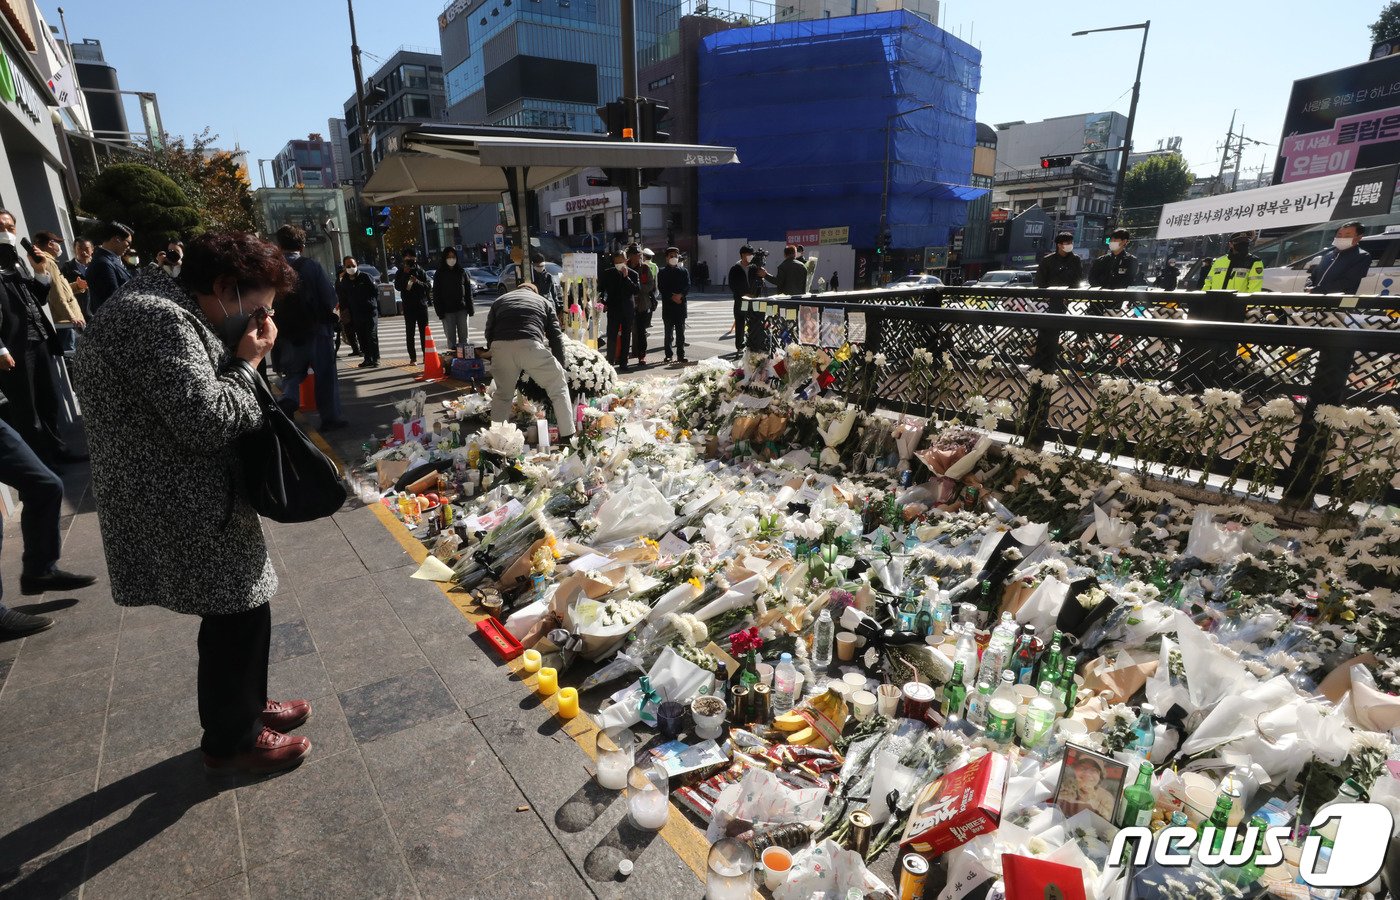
{"type": "Point", "coordinates": [434, 773]}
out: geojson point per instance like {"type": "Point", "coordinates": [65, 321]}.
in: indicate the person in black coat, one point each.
{"type": "Point", "coordinates": [1115, 270]}
{"type": "Point", "coordinates": [452, 299]}
{"type": "Point", "coordinates": [618, 288]}
{"type": "Point", "coordinates": [359, 302]}
{"type": "Point", "coordinates": [307, 332]}
{"type": "Point", "coordinates": [673, 282]}
{"type": "Point", "coordinates": [30, 343]}
{"type": "Point", "coordinates": [1340, 271]}
{"type": "Point", "coordinates": [1060, 269]}
{"type": "Point", "coordinates": [1169, 276]}
{"type": "Point", "coordinates": [412, 284]}
{"type": "Point", "coordinates": [107, 272]}
{"type": "Point", "coordinates": [745, 280]}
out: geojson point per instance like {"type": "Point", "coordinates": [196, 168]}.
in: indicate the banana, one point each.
{"type": "Point", "coordinates": [789, 722]}
{"type": "Point", "coordinates": [805, 736]}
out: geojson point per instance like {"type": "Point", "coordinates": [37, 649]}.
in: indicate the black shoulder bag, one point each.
{"type": "Point", "coordinates": [287, 477]}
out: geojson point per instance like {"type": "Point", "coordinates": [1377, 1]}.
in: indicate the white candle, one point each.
{"type": "Point", "coordinates": [613, 769]}
{"type": "Point", "coordinates": [649, 808]}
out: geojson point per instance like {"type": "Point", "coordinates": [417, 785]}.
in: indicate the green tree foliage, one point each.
{"type": "Point", "coordinates": [1150, 184]}
{"type": "Point", "coordinates": [1387, 25]}
{"type": "Point", "coordinates": [147, 200]}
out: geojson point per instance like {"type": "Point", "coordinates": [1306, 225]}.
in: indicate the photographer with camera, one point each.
{"type": "Point", "coordinates": [746, 279]}
{"type": "Point", "coordinates": [412, 284]}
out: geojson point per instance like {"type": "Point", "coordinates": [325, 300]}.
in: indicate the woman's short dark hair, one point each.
{"type": "Point", "coordinates": [253, 261]}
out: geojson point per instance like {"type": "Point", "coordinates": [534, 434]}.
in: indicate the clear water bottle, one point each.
{"type": "Point", "coordinates": [784, 685]}
{"type": "Point", "coordinates": [822, 638]}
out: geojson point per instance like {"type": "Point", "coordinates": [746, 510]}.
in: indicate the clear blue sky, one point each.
{"type": "Point", "coordinates": [262, 72]}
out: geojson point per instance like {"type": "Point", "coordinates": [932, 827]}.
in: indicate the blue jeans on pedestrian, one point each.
{"type": "Point", "coordinates": [454, 330]}
{"type": "Point", "coordinates": [41, 492]}
{"type": "Point", "coordinates": [318, 355]}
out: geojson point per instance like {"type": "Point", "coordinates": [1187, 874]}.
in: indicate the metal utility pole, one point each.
{"type": "Point", "coordinates": [1225, 156]}
{"type": "Point", "coordinates": [359, 93]}
{"type": "Point", "coordinates": [628, 26]}
{"type": "Point", "coordinates": [1132, 111]}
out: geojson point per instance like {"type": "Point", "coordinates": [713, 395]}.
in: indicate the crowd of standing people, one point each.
{"type": "Point", "coordinates": [631, 290]}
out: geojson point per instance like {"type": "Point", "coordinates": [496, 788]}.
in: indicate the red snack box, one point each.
{"type": "Point", "coordinates": [958, 807]}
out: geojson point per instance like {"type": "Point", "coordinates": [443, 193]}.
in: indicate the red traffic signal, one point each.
{"type": "Point", "coordinates": [1055, 162]}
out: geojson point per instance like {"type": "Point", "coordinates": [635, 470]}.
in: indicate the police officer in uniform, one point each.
{"type": "Point", "coordinates": [1239, 270]}
{"type": "Point", "coordinates": [1116, 270]}
{"type": "Point", "coordinates": [1060, 269]}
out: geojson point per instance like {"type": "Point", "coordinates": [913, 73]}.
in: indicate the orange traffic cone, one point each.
{"type": "Point", "coordinates": [432, 363]}
{"type": "Point", "coordinates": [308, 393]}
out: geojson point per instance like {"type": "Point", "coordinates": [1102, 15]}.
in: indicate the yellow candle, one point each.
{"type": "Point", "coordinates": [568, 702]}
{"type": "Point", "coordinates": [530, 660]}
{"type": "Point", "coordinates": [548, 681]}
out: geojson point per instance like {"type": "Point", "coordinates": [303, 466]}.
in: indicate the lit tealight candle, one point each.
{"type": "Point", "coordinates": [548, 681]}
{"type": "Point", "coordinates": [568, 702]}
{"type": "Point", "coordinates": [530, 661]}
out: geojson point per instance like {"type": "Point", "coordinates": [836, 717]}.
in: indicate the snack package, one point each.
{"type": "Point", "coordinates": [952, 810]}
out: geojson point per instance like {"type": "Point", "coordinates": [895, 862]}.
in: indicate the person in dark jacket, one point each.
{"type": "Point", "coordinates": [75, 272]}
{"type": "Point", "coordinates": [1117, 269]}
{"type": "Point", "coordinates": [313, 347]}
{"type": "Point", "coordinates": [452, 300]}
{"type": "Point", "coordinates": [745, 280]}
{"type": "Point", "coordinates": [618, 288]}
{"type": "Point", "coordinates": [523, 336]}
{"type": "Point", "coordinates": [29, 382]}
{"type": "Point", "coordinates": [639, 261]}
{"type": "Point", "coordinates": [359, 301]}
{"type": "Point", "coordinates": [673, 282]}
{"type": "Point", "coordinates": [1060, 269]}
{"type": "Point", "coordinates": [107, 272]}
{"type": "Point", "coordinates": [546, 283]}
{"type": "Point", "coordinates": [412, 284]}
{"type": "Point", "coordinates": [1169, 276]}
{"type": "Point", "coordinates": [792, 274]}
{"type": "Point", "coordinates": [1341, 270]}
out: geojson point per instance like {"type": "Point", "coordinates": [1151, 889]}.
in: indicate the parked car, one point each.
{"type": "Point", "coordinates": [484, 281]}
{"type": "Point", "coordinates": [1004, 278]}
{"type": "Point", "coordinates": [371, 271]}
{"type": "Point", "coordinates": [916, 281]}
{"type": "Point", "coordinates": [509, 276]}
{"type": "Point", "coordinates": [1383, 278]}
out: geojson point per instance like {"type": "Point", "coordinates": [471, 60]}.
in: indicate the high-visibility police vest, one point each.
{"type": "Point", "coordinates": [1246, 279]}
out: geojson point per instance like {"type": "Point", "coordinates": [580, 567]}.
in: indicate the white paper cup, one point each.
{"type": "Point", "coordinates": [862, 705]}
{"type": "Point", "coordinates": [1025, 694]}
{"type": "Point", "coordinates": [855, 679]}
{"type": "Point", "coordinates": [887, 700]}
{"type": "Point", "coordinates": [1200, 803]}
{"type": "Point", "coordinates": [845, 646]}
{"type": "Point", "coordinates": [777, 866]}
{"type": "Point", "coordinates": [765, 674]}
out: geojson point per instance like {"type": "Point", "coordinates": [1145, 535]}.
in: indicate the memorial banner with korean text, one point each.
{"type": "Point", "coordinates": [1290, 205]}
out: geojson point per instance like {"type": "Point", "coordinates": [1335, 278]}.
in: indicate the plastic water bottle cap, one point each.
{"type": "Point", "coordinates": [786, 657]}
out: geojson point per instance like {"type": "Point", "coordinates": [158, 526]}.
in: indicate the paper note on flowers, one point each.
{"type": "Point", "coordinates": [494, 519]}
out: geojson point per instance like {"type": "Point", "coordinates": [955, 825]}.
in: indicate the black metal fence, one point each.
{"type": "Point", "coordinates": [1216, 366]}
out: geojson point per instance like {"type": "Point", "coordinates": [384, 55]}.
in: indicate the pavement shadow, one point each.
{"type": "Point", "coordinates": [163, 793]}
{"type": "Point", "coordinates": [623, 841]}
{"type": "Point", "coordinates": [47, 606]}
{"type": "Point", "coordinates": [584, 808]}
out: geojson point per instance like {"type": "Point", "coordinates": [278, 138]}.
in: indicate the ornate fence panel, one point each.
{"type": "Point", "coordinates": [1171, 393]}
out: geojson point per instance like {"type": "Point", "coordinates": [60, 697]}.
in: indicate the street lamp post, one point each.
{"type": "Point", "coordinates": [885, 194]}
{"type": "Point", "coordinates": [1132, 111]}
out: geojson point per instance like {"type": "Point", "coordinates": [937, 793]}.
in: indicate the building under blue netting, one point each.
{"type": "Point", "coordinates": [807, 105]}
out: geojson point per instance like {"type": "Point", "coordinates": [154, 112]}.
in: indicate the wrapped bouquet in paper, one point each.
{"type": "Point", "coordinates": [637, 508]}
{"type": "Point", "coordinates": [766, 434]}
{"type": "Point", "coordinates": [906, 437]}
{"type": "Point", "coordinates": [761, 800]}
{"type": "Point", "coordinates": [672, 677]}
{"type": "Point", "coordinates": [827, 869]}
{"type": "Point", "coordinates": [604, 624]}
{"type": "Point", "coordinates": [834, 430]}
{"type": "Point", "coordinates": [741, 433]}
{"type": "Point", "coordinates": [1211, 542]}
{"type": "Point", "coordinates": [1112, 531]}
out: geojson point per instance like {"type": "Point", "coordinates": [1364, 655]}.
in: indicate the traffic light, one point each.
{"type": "Point", "coordinates": [650, 116]}
{"type": "Point", "coordinates": [1056, 162]}
{"type": "Point", "coordinates": [615, 118]}
{"type": "Point", "coordinates": [367, 215]}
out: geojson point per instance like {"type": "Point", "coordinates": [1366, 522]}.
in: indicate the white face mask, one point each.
{"type": "Point", "coordinates": [172, 271]}
{"type": "Point", "coordinates": [622, 267]}
{"type": "Point", "coordinates": [1342, 243]}
{"type": "Point", "coordinates": [9, 237]}
{"type": "Point", "coordinates": [1068, 248]}
{"type": "Point", "coordinates": [133, 260]}
{"type": "Point", "coordinates": [352, 270]}
{"type": "Point", "coordinates": [539, 267]}
{"type": "Point", "coordinates": [451, 261]}
{"type": "Point", "coordinates": [1115, 246]}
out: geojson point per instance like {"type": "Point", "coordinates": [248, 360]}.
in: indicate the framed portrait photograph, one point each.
{"type": "Point", "coordinates": [1092, 781]}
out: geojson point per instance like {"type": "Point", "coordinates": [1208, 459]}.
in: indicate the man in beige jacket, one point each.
{"type": "Point", "coordinates": [63, 305]}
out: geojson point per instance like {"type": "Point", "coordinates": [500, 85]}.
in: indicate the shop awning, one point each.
{"type": "Point", "coordinates": [444, 164]}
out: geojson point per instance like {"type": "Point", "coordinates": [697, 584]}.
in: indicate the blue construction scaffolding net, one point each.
{"type": "Point", "coordinates": [810, 105]}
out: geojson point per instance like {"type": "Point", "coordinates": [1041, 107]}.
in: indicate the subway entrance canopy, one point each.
{"type": "Point", "coordinates": [439, 165]}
